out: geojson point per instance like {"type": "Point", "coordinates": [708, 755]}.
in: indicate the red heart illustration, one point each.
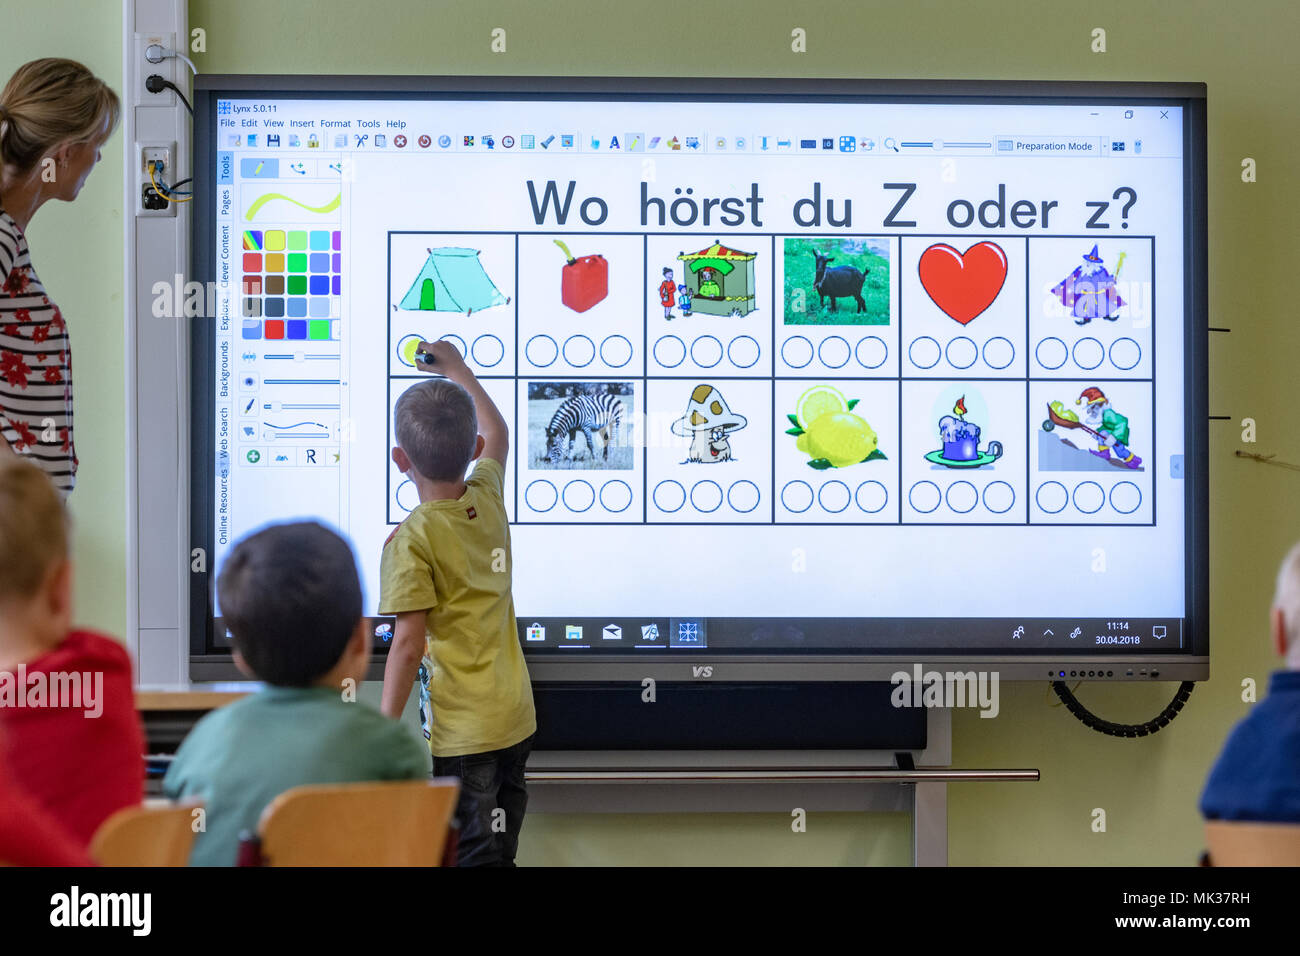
{"type": "Point", "coordinates": [963, 285]}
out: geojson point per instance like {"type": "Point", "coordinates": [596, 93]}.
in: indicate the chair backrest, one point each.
{"type": "Point", "coordinates": [155, 834]}
{"type": "Point", "coordinates": [359, 824]}
{"type": "Point", "coordinates": [1236, 843]}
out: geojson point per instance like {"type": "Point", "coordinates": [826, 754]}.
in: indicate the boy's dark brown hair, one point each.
{"type": "Point", "coordinates": [291, 599]}
{"type": "Point", "coordinates": [437, 428]}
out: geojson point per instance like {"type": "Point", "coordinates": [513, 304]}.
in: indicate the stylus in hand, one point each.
{"type": "Point", "coordinates": [441, 357]}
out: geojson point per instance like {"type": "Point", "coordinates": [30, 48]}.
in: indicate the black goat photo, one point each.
{"type": "Point", "coordinates": [821, 272]}
{"type": "Point", "coordinates": [837, 282]}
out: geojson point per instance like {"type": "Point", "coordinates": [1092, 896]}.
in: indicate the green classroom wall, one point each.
{"type": "Point", "coordinates": [1147, 788]}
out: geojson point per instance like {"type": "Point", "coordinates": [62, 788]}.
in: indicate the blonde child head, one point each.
{"type": "Point", "coordinates": [35, 570]}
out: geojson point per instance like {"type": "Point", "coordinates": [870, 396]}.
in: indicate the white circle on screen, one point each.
{"type": "Point", "coordinates": [1089, 497]}
{"type": "Point", "coordinates": [1125, 497]}
{"type": "Point", "coordinates": [540, 495]}
{"type": "Point", "coordinates": [1051, 353]}
{"type": "Point", "coordinates": [796, 351]}
{"type": "Point", "coordinates": [668, 496]}
{"type": "Point", "coordinates": [706, 351]}
{"type": "Point", "coordinates": [962, 352]}
{"type": "Point", "coordinates": [615, 351]}
{"type": "Point", "coordinates": [743, 351]}
{"type": "Point", "coordinates": [834, 496]}
{"type": "Point", "coordinates": [797, 496]}
{"type": "Point", "coordinates": [962, 497]}
{"type": "Point", "coordinates": [578, 496]}
{"type": "Point", "coordinates": [871, 351]}
{"type": "Point", "coordinates": [1125, 353]}
{"type": "Point", "coordinates": [1088, 353]}
{"type": "Point", "coordinates": [743, 496]}
{"type": "Point", "coordinates": [455, 340]}
{"type": "Point", "coordinates": [615, 495]}
{"type": "Point", "coordinates": [488, 350]}
{"type": "Point", "coordinates": [999, 497]}
{"type": "Point", "coordinates": [834, 351]}
{"type": "Point", "coordinates": [670, 351]}
{"type": "Point", "coordinates": [924, 352]}
{"type": "Point", "coordinates": [999, 353]}
{"type": "Point", "coordinates": [1052, 497]}
{"type": "Point", "coordinates": [924, 496]}
{"type": "Point", "coordinates": [579, 351]}
{"type": "Point", "coordinates": [706, 496]}
{"type": "Point", "coordinates": [541, 351]}
{"type": "Point", "coordinates": [871, 497]}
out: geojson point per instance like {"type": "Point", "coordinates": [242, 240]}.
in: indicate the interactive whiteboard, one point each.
{"type": "Point", "coordinates": [790, 373]}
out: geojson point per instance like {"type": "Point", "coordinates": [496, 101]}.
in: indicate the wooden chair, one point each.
{"type": "Point", "coordinates": [1238, 843]}
{"type": "Point", "coordinates": [158, 833]}
{"type": "Point", "coordinates": [359, 824]}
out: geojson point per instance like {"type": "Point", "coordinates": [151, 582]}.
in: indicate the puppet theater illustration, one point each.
{"type": "Point", "coordinates": [720, 280]}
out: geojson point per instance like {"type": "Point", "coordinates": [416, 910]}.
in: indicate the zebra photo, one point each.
{"type": "Point", "coordinates": [580, 425]}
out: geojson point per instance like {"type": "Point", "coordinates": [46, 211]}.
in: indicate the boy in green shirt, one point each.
{"type": "Point", "coordinates": [291, 598]}
{"type": "Point", "coordinates": [445, 574]}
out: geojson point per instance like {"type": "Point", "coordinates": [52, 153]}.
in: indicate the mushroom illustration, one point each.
{"type": "Point", "coordinates": [708, 422]}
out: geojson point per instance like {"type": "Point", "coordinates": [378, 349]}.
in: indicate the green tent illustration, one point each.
{"type": "Point", "coordinates": [452, 280]}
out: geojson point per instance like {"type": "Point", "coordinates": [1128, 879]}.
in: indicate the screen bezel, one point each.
{"type": "Point", "coordinates": [209, 662]}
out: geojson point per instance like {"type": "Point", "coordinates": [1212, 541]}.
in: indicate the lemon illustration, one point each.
{"type": "Point", "coordinates": [818, 401]}
{"type": "Point", "coordinates": [842, 438]}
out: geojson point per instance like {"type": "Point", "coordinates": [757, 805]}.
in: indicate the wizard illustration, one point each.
{"type": "Point", "coordinates": [1090, 291]}
{"type": "Point", "coordinates": [708, 423]}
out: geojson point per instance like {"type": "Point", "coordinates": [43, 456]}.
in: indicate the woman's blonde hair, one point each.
{"type": "Point", "coordinates": [49, 102]}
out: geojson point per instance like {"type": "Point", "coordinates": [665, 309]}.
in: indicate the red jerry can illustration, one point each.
{"type": "Point", "coordinates": [583, 282]}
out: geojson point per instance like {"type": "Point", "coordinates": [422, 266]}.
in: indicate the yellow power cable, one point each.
{"type": "Point", "coordinates": [161, 192]}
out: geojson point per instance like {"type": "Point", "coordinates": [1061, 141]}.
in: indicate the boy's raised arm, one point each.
{"type": "Point", "coordinates": [491, 425]}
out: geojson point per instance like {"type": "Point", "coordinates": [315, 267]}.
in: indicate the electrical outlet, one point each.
{"type": "Point", "coordinates": [167, 69]}
{"type": "Point", "coordinates": [159, 156]}
{"type": "Point", "coordinates": [152, 200]}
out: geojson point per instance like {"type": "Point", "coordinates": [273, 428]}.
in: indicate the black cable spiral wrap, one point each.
{"type": "Point", "coordinates": [1089, 719]}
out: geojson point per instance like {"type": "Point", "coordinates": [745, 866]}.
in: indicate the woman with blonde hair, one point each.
{"type": "Point", "coordinates": [54, 117]}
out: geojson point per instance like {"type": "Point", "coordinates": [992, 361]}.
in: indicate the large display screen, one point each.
{"type": "Point", "coordinates": [786, 372]}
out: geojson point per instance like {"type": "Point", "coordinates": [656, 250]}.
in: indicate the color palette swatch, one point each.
{"type": "Point", "coordinates": [292, 284]}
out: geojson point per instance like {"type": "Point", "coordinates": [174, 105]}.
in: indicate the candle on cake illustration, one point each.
{"type": "Point", "coordinates": [961, 442]}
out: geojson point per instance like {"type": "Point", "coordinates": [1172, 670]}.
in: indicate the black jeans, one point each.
{"type": "Point", "coordinates": [493, 798]}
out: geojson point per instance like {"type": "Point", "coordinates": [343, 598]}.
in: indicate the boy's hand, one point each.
{"type": "Point", "coordinates": [447, 359]}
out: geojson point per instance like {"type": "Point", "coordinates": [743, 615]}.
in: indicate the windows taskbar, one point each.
{"type": "Point", "coordinates": [902, 635]}
{"type": "Point", "coordinates": [881, 635]}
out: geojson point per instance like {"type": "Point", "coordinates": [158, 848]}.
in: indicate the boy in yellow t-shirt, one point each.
{"type": "Point", "coordinates": [446, 574]}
